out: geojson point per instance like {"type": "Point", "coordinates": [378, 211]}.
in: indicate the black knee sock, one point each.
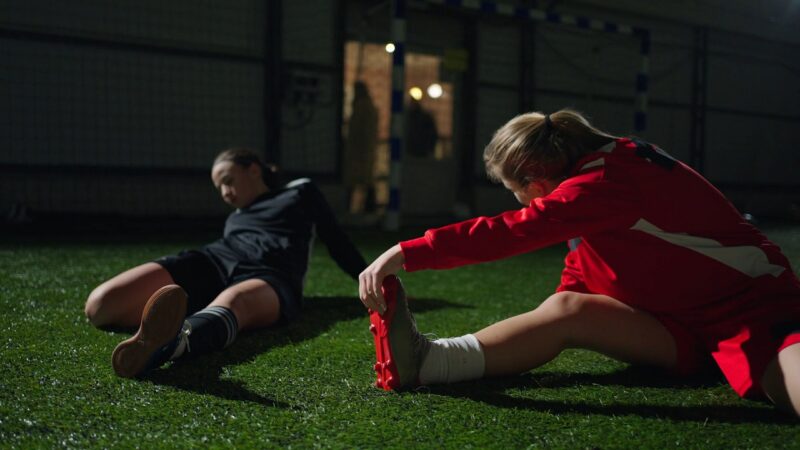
{"type": "Point", "coordinates": [212, 329]}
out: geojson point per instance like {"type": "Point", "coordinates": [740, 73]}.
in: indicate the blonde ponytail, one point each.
{"type": "Point", "coordinates": [534, 146]}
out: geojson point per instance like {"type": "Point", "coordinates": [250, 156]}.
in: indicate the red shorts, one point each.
{"type": "Point", "coordinates": [742, 333]}
{"type": "Point", "coordinates": [742, 347]}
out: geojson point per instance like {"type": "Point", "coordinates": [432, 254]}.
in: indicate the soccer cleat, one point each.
{"type": "Point", "coordinates": [158, 334]}
{"type": "Point", "coordinates": [399, 347]}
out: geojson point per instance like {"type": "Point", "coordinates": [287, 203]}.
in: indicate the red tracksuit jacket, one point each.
{"type": "Point", "coordinates": [654, 234]}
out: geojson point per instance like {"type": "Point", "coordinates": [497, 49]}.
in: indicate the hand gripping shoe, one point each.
{"type": "Point", "coordinates": [157, 337]}
{"type": "Point", "coordinates": [399, 347]}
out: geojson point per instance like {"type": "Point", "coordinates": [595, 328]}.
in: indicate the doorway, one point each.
{"type": "Point", "coordinates": [428, 158]}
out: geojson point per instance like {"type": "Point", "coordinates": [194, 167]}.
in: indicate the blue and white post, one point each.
{"type": "Point", "coordinates": [396, 120]}
{"type": "Point", "coordinates": [489, 7]}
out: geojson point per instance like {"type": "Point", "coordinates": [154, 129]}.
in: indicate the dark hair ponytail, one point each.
{"type": "Point", "coordinates": [244, 156]}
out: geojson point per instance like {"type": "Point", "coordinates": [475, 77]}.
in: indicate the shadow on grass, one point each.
{"type": "Point", "coordinates": [202, 374]}
{"type": "Point", "coordinates": [630, 376]}
{"type": "Point", "coordinates": [494, 392]}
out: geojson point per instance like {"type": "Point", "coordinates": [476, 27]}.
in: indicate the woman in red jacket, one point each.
{"type": "Point", "coordinates": [662, 270]}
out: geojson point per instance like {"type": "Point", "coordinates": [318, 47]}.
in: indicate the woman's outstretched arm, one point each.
{"type": "Point", "coordinates": [371, 279]}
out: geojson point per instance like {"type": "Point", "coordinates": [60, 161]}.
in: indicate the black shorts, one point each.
{"type": "Point", "coordinates": [203, 281]}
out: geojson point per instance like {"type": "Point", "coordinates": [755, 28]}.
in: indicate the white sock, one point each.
{"type": "Point", "coordinates": [451, 360]}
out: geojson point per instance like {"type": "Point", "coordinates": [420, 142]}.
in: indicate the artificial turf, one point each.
{"type": "Point", "coordinates": [309, 384]}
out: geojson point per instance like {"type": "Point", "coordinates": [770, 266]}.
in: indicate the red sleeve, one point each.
{"type": "Point", "coordinates": [582, 205]}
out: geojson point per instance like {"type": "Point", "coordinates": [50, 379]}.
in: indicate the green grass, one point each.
{"type": "Point", "coordinates": [310, 384]}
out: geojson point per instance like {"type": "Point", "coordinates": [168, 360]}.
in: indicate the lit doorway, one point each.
{"type": "Point", "coordinates": [428, 122]}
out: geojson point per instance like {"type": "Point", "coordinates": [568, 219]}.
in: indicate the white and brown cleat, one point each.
{"type": "Point", "coordinates": [153, 343]}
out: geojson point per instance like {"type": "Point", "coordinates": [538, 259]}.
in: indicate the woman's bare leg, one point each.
{"type": "Point", "coordinates": [120, 300]}
{"type": "Point", "coordinates": [781, 380]}
{"type": "Point", "coordinates": [518, 344]}
{"type": "Point", "coordinates": [254, 303]}
{"type": "Point", "coordinates": [574, 320]}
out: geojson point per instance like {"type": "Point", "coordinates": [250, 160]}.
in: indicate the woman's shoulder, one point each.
{"type": "Point", "coordinates": [302, 189]}
{"type": "Point", "coordinates": [299, 183]}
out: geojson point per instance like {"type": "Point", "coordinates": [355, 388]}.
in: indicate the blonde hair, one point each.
{"type": "Point", "coordinates": [534, 146]}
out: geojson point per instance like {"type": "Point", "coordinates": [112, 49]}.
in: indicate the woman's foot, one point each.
{"type": "Point", "coordinates": [399, 347]}
{"type": "Point", "coordinates": [157, 337]}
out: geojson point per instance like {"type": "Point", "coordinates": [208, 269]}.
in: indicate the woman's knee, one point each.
{"type": "Point", "coordinates": [574, 313]}
{"type": "Point", "coordinates": [119, 301]}
{"type": "Point", "coordinates": [105, 305]}
{"type": "Point", "coordinates": [94, 309]}
{"type": "Point", "coordinates": [566, 305]}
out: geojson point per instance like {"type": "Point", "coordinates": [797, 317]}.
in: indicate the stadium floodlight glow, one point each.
{"type": "Point", "coordinates": [435, 90]}
{"type": "Point", "coordinates": [389, 48]}
{"type": "Point", "coordinates": [415, 93]}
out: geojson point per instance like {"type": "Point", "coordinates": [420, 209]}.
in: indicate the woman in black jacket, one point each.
{"type": "Point", "coordinates": [198, 300]}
